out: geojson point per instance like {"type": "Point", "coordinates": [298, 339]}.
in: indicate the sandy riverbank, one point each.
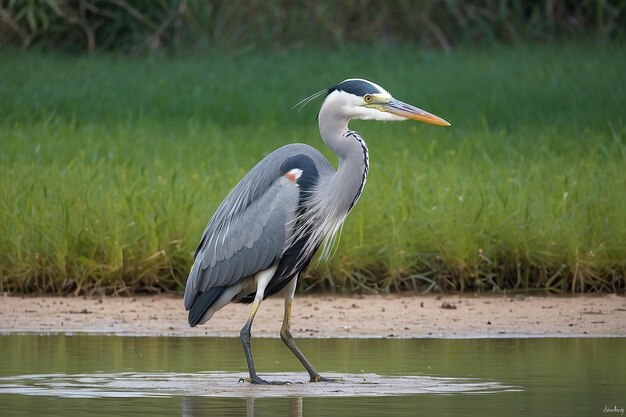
{"type": "Point", "coordinates": [402, 316]}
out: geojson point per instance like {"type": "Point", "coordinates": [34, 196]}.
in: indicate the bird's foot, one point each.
{"type": "Point", "coordinates": [319, 378]}
{"type": "Point", "coordinates": [260, 381]}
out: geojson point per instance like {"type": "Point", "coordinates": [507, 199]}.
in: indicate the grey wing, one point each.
{"type": "Point", "coordinates": [247, 234]}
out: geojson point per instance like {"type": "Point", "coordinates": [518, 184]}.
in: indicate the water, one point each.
{"type": "Point", "coordinates": [81, 375]}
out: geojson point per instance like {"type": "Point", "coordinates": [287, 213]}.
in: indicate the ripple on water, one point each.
{"type": "Point", "coordinates": [227, 385]}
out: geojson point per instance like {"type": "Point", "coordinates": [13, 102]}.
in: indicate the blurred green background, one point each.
{"type": "Point", "coordinates": [124, 124]}
{"type": "Point", "coordinates": [195, 25]}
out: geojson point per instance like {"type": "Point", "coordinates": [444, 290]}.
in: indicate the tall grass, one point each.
{"type": "Point", "coordinates": [184, 25]}
{"type": "Point", "coordinates": [110, 167]}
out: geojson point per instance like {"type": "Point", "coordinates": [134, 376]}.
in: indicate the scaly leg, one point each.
{"type": "Point", "coordinates": [262, 278]}
{"type": "Point", "coordinates": [287, 338]}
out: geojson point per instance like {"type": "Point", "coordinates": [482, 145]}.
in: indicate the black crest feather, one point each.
{"type": "Point", "coordinates": [356, 87]}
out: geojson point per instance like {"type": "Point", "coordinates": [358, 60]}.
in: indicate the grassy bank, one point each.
{"type": "Point", "coordinates": [110, 167]}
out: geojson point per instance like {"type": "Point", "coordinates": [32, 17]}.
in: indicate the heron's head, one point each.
{"type": "Point", "coordinates": [361, 99]}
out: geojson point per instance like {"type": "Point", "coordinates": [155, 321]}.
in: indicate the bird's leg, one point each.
{"type": "Point", "coordinates": [245, 341]}
{"type": "Point", "coordinates": [287, 338]}
{"type": "Point", "coordinates": [262, 279]}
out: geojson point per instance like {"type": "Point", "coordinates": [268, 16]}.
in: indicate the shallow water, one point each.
{"type": "Point", "coordinates": [159, 376]}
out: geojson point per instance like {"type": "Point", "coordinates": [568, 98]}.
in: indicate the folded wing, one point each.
{"type": "Point", "coordinates": [248, 233]}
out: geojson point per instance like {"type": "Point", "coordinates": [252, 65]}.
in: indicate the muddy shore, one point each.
{"type": "Point", "coordinates": [321, 316]}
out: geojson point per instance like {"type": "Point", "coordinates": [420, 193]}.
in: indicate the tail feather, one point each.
{"type": "Point", "coordinates": [202, 303]}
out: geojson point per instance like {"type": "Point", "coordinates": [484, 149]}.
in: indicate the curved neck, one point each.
{"type": "Point", "coordinates": [336, 192]}
{"type": "Point", "coordinates": [351, 149]}
{"type": "Point", "coordinates": [333, 128]}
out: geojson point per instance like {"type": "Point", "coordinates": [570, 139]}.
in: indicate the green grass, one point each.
{"type": "Point", "coordinates": [111, 166]}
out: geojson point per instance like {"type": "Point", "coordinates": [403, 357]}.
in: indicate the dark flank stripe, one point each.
{"type": "Point", "coordinates": [292, 262]}
{"type": "Point", "coordinates": [366, 164]}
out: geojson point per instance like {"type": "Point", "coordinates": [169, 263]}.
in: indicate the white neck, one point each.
{"type": "Point", "coordinates": [351, 150]}
{"type": "Point", "coordinates": [333, 127]}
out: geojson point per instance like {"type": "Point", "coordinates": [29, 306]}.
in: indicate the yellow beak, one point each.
{"type": "Point", "coordinates": [407, 111]}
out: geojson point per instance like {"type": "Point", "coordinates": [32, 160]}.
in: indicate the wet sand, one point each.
{"type": "Point", "coordinates": [323, 316]}
{"type": "Point", "coordinates": [227, 385]}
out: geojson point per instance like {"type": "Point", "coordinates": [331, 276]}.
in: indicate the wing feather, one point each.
{"type": "Point", "coordinates": [252, 227]}
{"type": "Point", "coordinates": [259, 233]}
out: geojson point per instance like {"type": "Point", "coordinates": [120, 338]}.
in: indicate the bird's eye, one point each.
{"type": "Point", "coordinates": [367, 98]}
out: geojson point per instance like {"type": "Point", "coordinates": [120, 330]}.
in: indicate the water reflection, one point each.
{"type": "Point", "coordinates": [70, 376]}
{"type": "Point", "coordinates": [196, 406]}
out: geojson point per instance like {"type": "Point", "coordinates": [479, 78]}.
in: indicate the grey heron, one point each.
{"type": "Point", "coordinates": [265, 232]}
